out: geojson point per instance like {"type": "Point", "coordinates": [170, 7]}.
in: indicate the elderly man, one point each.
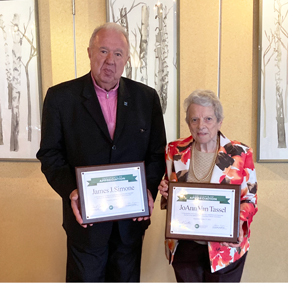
{"type": "Point", "coordinates": [102, 118]}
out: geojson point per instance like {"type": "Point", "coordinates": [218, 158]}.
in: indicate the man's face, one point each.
{"type": "Point", "coordinates": [108, 56]}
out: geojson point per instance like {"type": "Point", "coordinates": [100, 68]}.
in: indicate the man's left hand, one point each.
{"type": "Point", "coordinates": [151, 207]}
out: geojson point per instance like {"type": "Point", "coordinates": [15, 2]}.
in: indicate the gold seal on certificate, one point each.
{"type": "Point", "coordinates": [203, 212]}
{"type": "Point", "coordinates": [112, 192]}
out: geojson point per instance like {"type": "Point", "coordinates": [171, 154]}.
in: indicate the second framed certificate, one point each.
{"type": "Point", "coordinates": [112, 192]}
{"type": "Point", "coordinates": [203, 212]}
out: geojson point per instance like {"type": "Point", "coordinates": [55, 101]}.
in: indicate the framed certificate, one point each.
{"type": "Point", "coordinates": [203, 212]}
{"type": "Point", "coordinates": [112, 192]}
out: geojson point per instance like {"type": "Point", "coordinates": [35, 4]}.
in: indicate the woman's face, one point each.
{"type": "Point", "coordinates": [203, 124]}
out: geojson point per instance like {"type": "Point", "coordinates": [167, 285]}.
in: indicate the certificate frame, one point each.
{"type": "Point", "coordinates": [204, 193]}
{"type": "Point", "coordinates": [111, 202]}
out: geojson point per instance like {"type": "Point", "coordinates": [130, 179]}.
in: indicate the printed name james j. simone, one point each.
{"type": "Point", "coordinates": [113, 189]}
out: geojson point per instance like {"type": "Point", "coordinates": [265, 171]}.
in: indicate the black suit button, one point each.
{"type": "Point", "coordinates": [114, 147]}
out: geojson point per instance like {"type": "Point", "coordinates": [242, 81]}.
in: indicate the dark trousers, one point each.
{"type": "Point", "coordinates": [114, 262]}
{"type": "Point", "coordinates": [191, 264]}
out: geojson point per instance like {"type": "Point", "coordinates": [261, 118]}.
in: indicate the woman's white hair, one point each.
{"type": "Point", "coordinates": [204, 98]}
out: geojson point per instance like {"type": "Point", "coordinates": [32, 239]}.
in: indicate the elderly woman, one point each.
{"type": "Point", "coordinates": [208, 156]}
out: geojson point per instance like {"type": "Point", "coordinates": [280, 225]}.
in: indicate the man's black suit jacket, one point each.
{"type": "Point", "coordinates": [74, 133]}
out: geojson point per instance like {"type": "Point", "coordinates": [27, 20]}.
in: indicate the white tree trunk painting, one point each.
{"type": "Point", "coordinates": [161, 65]}
{"type": "Point", "coordinates": [19, 81]}
{"type": "Point", "coordinates": [153, 43]}
{"type": "Point", "coordinates": [273, 136]}
{"type": "Point", "coordinates": [16, 83]}
{"type": "Point", "coordinates": [279, 46]}
{"type": "Point", "coordinates": [144, 40]}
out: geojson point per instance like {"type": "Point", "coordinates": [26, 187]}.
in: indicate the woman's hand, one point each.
{"type": "Point", "coordinates": [240, 239]}
{"type": "Point", "coordinates": [163, 188]}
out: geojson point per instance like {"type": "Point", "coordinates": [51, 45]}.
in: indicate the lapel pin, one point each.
{"type": "Point", "coordinates": [125, 103]}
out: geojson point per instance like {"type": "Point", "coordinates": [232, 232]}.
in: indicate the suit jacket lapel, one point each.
{"type": "Point", "coordinates": [123, 106]}
{"type": "Point", "coordinates": [92, 105]}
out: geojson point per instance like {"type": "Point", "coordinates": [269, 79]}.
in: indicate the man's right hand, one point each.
{"type": "Point", "coordinates": [74, 197]}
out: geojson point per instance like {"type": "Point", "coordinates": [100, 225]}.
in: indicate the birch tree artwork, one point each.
{"type": "Point", "coordinates": [16, 83]}
{"type": "Point", "coordinates": [161, 64]}
{"type": "Point", "coordinates": [273, 136]}
{"type": "Point", "coordinates": [19, 83]}
{"type": "Point", "coordinates": [152, 29]}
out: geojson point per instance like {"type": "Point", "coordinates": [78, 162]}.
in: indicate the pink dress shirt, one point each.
{"type": "Point", "coordinates": [108, 103]}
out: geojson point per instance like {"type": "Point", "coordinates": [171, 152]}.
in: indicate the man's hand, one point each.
{"type": "Point", "coordinates": [151, 207]}
{"type": "Point", "coordinates": [74, 197]}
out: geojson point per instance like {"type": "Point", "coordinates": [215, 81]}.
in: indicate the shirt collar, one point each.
{"type": "Point", "coordinates": [98, 88]}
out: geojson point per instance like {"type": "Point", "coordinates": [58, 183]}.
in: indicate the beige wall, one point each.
{"type": "Point", "coordinates": [32, 241]}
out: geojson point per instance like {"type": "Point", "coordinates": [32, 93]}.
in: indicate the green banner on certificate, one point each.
{"type": "Point", "coordinates": [95, 181]}
{"type": "Point", "coordinates": [220, 199]}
